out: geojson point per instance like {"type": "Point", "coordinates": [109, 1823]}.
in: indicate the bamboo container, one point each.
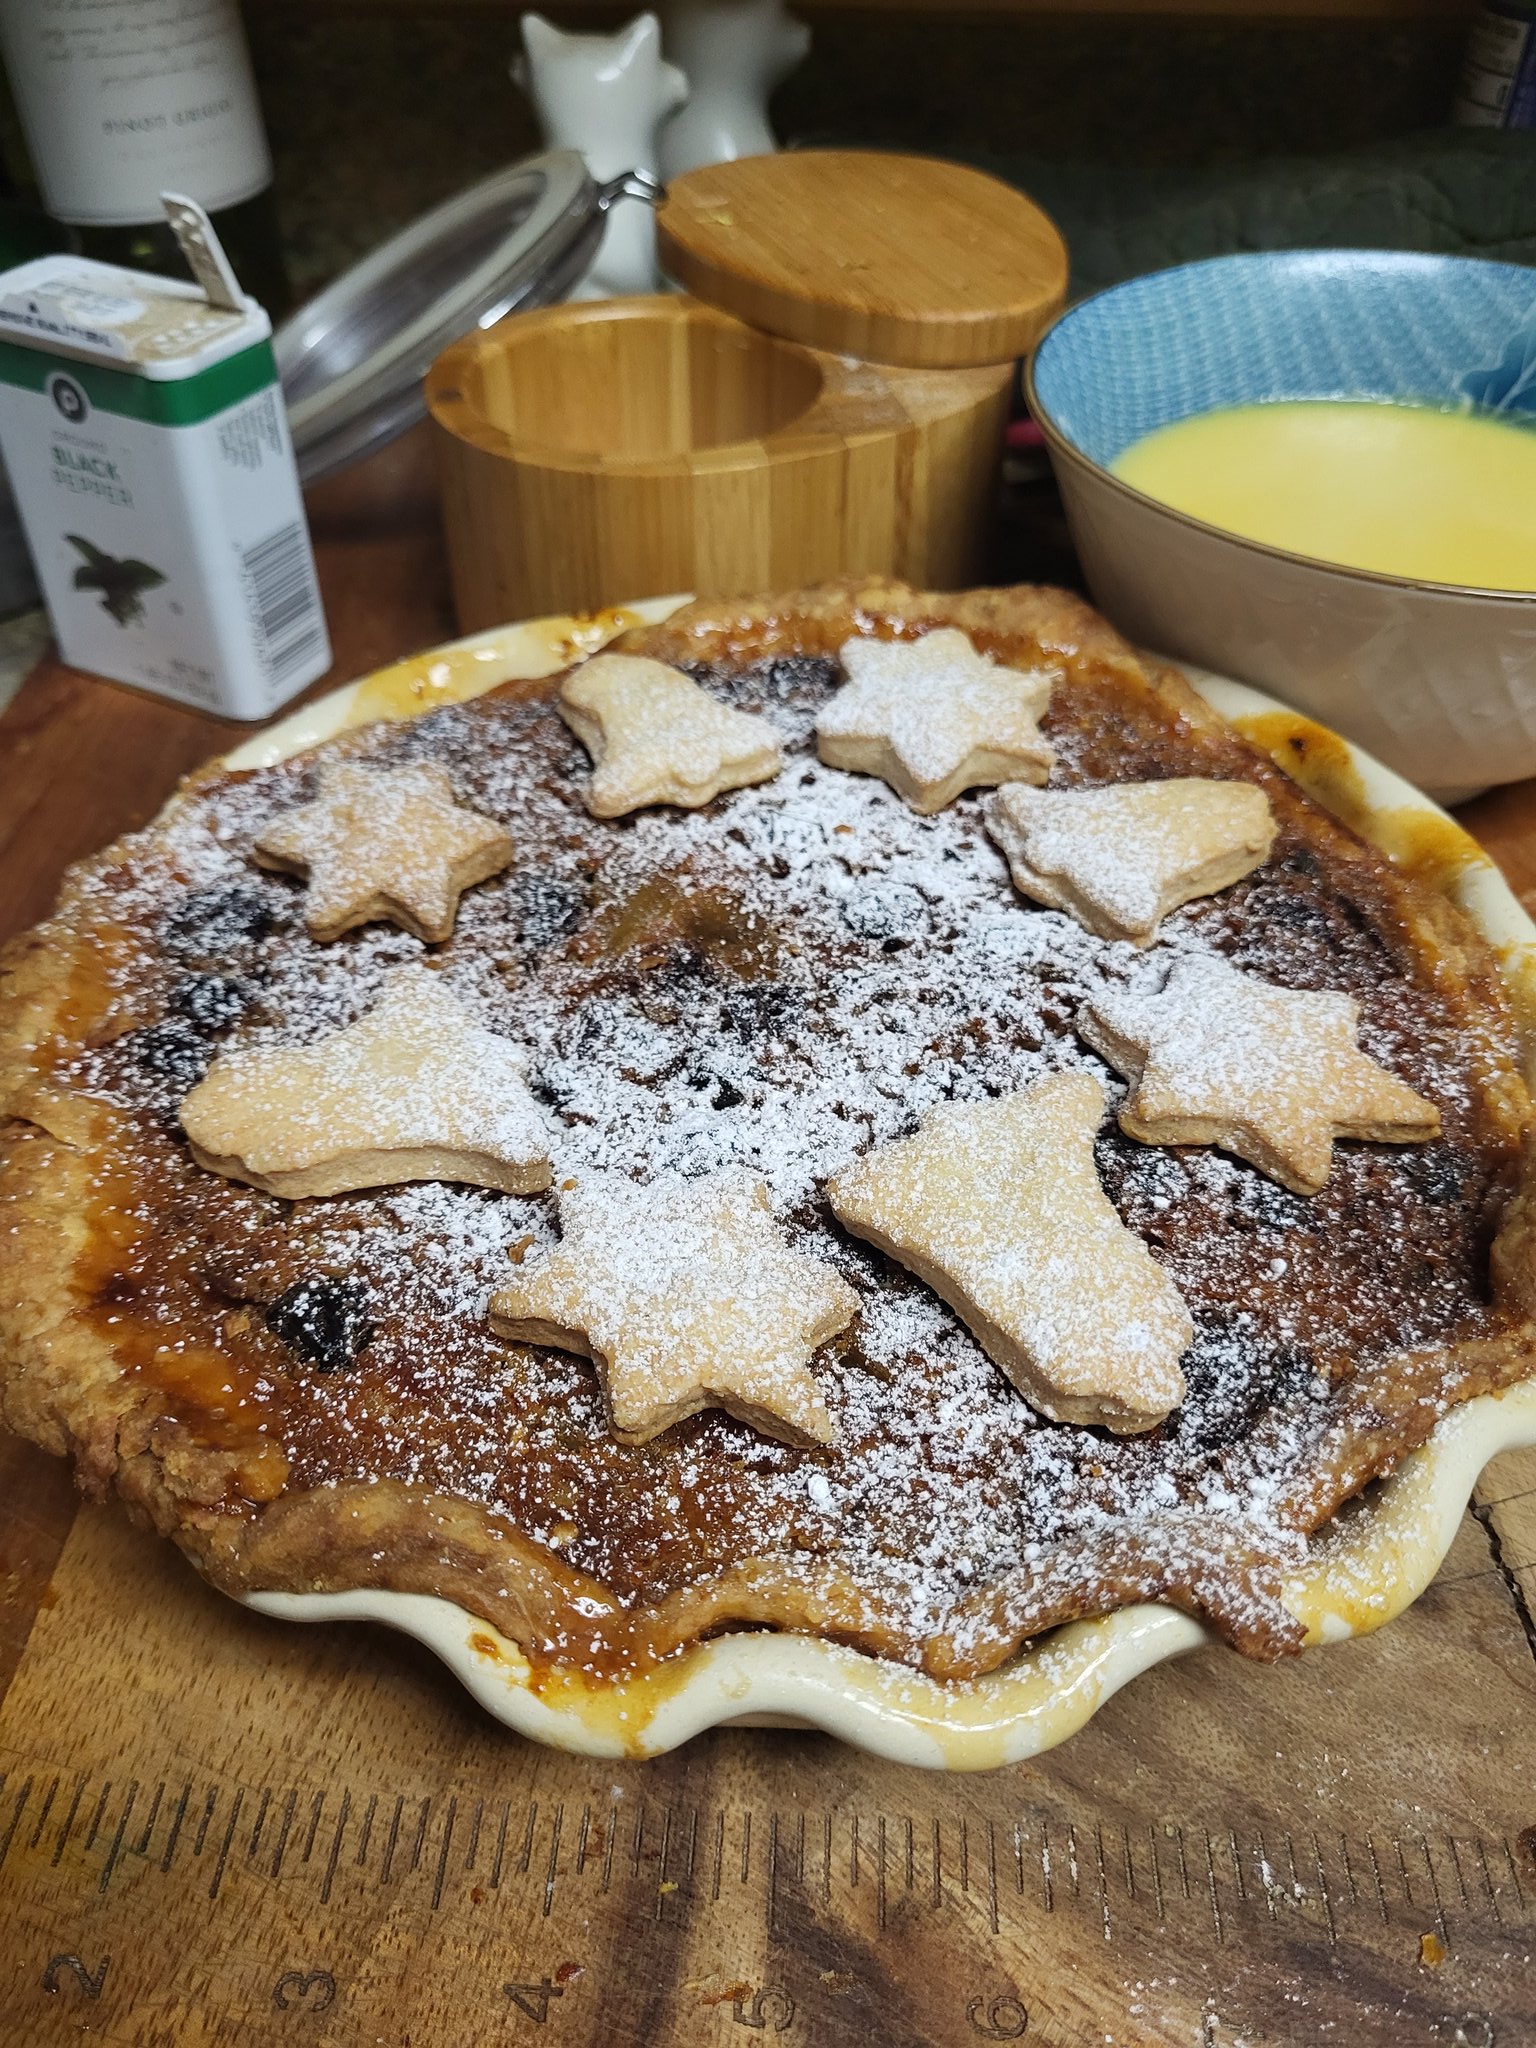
{"type": "Point", "coordinates": [595, 452]}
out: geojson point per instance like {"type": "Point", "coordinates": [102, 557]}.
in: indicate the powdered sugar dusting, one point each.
{"type": "Point", "coordinates": [777, 984]}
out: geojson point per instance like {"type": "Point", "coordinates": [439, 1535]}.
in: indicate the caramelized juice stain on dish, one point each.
{"type": "Point", "coordinates": [450, 675]}
{"type": "Point", "coordinates": [1396, 489]}
{"type": "Point", "coordinates": [1317, 759]}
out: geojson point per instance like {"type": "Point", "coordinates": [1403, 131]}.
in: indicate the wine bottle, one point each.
{"type": "Point", "coordinates": [125, 99]}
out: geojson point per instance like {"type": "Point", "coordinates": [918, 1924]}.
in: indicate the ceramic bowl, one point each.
{"type": "Point", "coordinates": [1437, 680]}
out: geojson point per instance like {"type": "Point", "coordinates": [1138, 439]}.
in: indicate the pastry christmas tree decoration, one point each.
{"type": "Point", "coordinates": [384, 843]}
{"type": "Point", "coordinates": [688, 1296]}
{"type": "Point", "coordinates": [1219, 1057]}
{"type": "Point", "coordinates": [415, 1090]}
{"type": "Point", "coordinates": [656, 738]}
{"type": "Point", "coordinates": [997, 1206]}
{"type": "Point", "coordinates": [1120, 858]}
{"type": "Point", "coordinates": [933, 717]}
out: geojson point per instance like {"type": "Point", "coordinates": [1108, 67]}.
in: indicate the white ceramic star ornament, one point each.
{"type": "Point", "coordinates": [1219, 1057]}
{"type": "Point", "coordinates": [933, 717]}
{"type": "Point", "coordinates": [414, 1090]}
{"type": "Point", "coordinates": [384, 843]}
{"type": "Point", "coordinates": [656, 737]}
{"type": "Point", "coordinates": [1118, 859]}
{"type": "Point", "coordinates": [997, 1206]}
{"type": "Point", "coordinates": [688, 1296]}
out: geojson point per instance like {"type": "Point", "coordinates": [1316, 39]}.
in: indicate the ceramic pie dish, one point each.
{"type": "Point", "coordinates": [1372, 1559]}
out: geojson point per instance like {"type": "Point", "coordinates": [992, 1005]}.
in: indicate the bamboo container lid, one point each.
{"type": "Point", "coordinates": [893, 259]}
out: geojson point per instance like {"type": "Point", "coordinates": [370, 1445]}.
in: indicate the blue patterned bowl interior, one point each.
{"type": "Point", "coordinates": [1328, 323]}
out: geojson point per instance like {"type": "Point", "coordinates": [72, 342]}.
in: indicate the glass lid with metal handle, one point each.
{"type": "Point", "coordinates": [353, 359]}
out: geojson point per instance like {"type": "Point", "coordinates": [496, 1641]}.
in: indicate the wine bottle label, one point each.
{"type": "Point", "coordinates": [122, 99]}
{"type": "Point", "coordinates": [145, 437]}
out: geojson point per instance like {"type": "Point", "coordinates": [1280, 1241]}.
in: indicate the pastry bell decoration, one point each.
{"type": "Point", "coordinates": [414, 1090]}
{"type": "Point", "coordinates": [997, 1206]}
{"type": "Point", "coordinates": [933, 717]}
{"type": "Point", "coordinates": [1220, 1057]}
{"type": "Point", "coordinates": [687, 1295]}
{"type": "Point", "coordinates": [1118, 859]}
{"type": "Point", "coordinates": [384, 843]}
{"type": "Point", "coordinates": [655, 737]}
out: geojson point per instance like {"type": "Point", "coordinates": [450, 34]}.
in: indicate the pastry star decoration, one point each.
{"type": "Point", "coordinates": [656, 738]}
{"type": "Point", "coordinates": [415, 1090]}
{"type": "Point", "coordinates": [933, 717]}
{"type": "Point", "coordinates": [384, 842]}
{"type": "Point", "coordinates": [1120, 858]}
{"type": "Point", "coordinates": [688, 1297]}
{"type": "Point", "coordinates": [997, 1206]}
{"type": "Point", "coordinates": [1219, 1057]}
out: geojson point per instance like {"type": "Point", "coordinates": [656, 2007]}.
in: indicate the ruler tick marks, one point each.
{"type": "Point", "coordinates": [1514, 1877]}
{"type": "Point", "coordinates": [389, 1841]}
{"type": "Point", "coordinates": [117, 1837]}
{"type": "Point", "coordinates": [853, 1852]}
{"type": "Point", "coordinates": [609, 1835]}
{"type": "Point", "coordinates": [1461, 1882]}
{"type": "Point", "coordinates": [442, 1855]}
{"type": "Point", "coordinates": [16, 1812]}
{"type": "Point", "coordinates": [1488, 1885]}
{"type": "Point", "coordinates": [229, 1836]}
{"type": "Point", "coordinates": [938, 1865]}
{"type": "Point", "coordinates": [773, 1874]}
{"type": "Point", "coordinates": [314, 1827]}
{"type": "Point", "coordinates": [634, 1847]}
{"type": "Point", "coordinates": [1402, 1866]}
{"type": "Point", "coordinates": [365, 1833]}
{"type": "Point", "coordinates": [581, 1840]}
{"type": "Point", "coordinates": [965, 1857]}
{"type": "Point", "coordinates": [826, 1855]}
{"type": "Point", "coordinates": [1349, 1874]}
{"type": "Point", "coordinates": [501, 1846]}
{"type": "Point", "coordinates": [1210, 1872]}
{"type": "Point", "coordinates": [101, 1807]}
{"type": "Point", "coordinates": [1434, 1887]}
{"type": "Point", "coordinates": [42, 1818]}
{"type": "Point", "coordinates": [911, 1871]}
{"type": "Point", "coordinates": [261, 1819]}
{"type": "Point", "coordinates": [1157, 1874]}
{"type": "Point", "coordinates": [1130, 1868]}
{"type": "Point", "coordinates": [992, 1875]}
{"type": "Point", "coordinates": [1290, 1857]}
{"type": "Point", "coordinates": [1098, 1858]}
{"type": "Point", "coordinates": [1381, 1897]}
{"type": "Point", "coordinates": [1178, 1843]}
{"type": "Point", "coordinates": [282, 1833]}
{"type": "Point", "coordinates": [1072, 1870]}
{"type": "Point", "coordinates": [1237, 1864]}
{"type": "Point", "coordinates": [800, 1852]}
{"type": "Point", "coordinates": [474, 1834]}
{"type": "Point", "coordinates": [661, 1868]}
{"type": "Point", "coordinates": [714, 1888]}
{"type": "Point", "coordinates": [880, 1873]}
{"type": "Point", "coordinates": [526, 1858]}
{"type": "Point", "coordinates": [335, 1856]}
{"type": "Point", "coordinates": [1018, 1853]}
{"type": "Point", "coordinates": [419, 1840]}
{"type": "Point", "coordinates": [1266, 1875]}
{"type": "Point", "coordinates": [1045, 1862]}
{"type": "Point", "coordinates": [1322, 1891]}
{"type": "Point", "coordinates": [172, 1838]}
{"type": "Point", "coordinates": [552, 1868]}
{"type": "Point", "coordinates": [693, 1844]}
{"type": "Point", "coordinates": [141, 1847]}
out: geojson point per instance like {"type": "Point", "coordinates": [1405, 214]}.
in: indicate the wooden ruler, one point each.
{"type": "Point", "coordinates": [174, 1909]}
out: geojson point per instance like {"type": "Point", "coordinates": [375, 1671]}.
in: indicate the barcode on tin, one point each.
{"type": "Point", "coordinates": [285, 602]}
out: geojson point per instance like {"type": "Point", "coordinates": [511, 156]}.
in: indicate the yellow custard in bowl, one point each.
{"type": "Point", "coordinates": [1404, 490]}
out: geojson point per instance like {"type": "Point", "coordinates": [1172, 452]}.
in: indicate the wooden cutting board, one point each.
{"type": "Point", "coordinates": [220, 1829]}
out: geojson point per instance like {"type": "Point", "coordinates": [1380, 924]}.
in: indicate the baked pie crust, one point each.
{"type": "Point", "coordinates": [307, 1398]}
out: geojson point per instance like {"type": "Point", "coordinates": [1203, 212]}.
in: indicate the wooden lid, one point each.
{"type": "Point", "coordinates": [897, 259]}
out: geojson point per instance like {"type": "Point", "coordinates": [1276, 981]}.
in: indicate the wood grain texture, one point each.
{"type": "Point", "coordinates": [651, 445]}
{"type": "Point", "coordinates": [893, 259]}
{"type": "Point", "coordinates": [217, 1829]}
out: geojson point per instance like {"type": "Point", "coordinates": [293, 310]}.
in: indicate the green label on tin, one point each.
{"type": "Point", "coordinates": [79, 388]}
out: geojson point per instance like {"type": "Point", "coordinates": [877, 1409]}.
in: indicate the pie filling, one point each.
{"type": "Point", "coordinates": [779, 981]}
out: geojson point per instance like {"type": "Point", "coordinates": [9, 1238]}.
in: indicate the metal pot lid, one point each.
{"type": "Point", "coordinates": [352, 361]}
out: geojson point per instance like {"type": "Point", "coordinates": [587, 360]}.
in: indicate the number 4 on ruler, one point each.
{"type": "Point", "coordinates": [533, 1999]}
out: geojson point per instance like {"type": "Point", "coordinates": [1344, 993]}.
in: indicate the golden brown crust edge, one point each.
{"type": "Point", "coordinates": [61, 1386]}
